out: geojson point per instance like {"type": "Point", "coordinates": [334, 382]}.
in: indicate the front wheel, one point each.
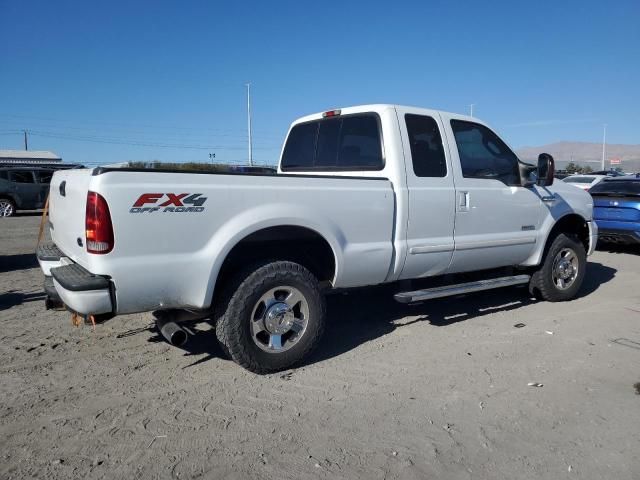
{"type": "Point", "coordinates": [274, 317]}
{"type": "Point", "coordinates": [560, 276]}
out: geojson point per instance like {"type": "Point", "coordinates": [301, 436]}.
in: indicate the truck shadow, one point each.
{"type": "Point", "coordinates": [360, 316]}
{"type": "Point", "coordinates": [13, 298]}
{"type": "Point", "coordinates": [364, 315]}
{"type": "Point", "coordinates": [22, 261]}
{"type": "Point", "coordinates": [619, 248]}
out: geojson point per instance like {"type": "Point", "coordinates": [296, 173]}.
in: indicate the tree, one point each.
{"type": "Point", "coordinates": [572, 168]}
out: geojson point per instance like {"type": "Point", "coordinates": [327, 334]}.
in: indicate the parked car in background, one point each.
{"type": "Point", "coordinates": [23, 188]}
{"type": "Point", "coordinates": [585, 182]}
{"type": "Point", "coordinates": [609, 173]}
{"type": "Point", "coordinates": [617, 209]}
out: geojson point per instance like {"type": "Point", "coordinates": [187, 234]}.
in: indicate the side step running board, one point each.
{"type": "Point", "coordinates": [449, 290]}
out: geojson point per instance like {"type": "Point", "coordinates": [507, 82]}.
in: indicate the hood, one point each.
{"type": "Point", "coordinates": [572, 198]}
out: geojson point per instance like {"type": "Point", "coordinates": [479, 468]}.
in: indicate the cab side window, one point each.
{"type": "Point", "coordinates": [483, 154]}
{"type": "Point", "coordinates": [427, 152]}
{"type": "Point", "coordinates": [21, 176]}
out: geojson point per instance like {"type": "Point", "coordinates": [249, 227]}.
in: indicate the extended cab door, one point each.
{"type": "Point", "coordinates": [497, 219]}
{"type": "Point", "coordinates": [431, 194]}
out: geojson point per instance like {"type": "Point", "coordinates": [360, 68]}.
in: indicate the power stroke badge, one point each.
{"type": "Point", "coordinates": [169, 202]}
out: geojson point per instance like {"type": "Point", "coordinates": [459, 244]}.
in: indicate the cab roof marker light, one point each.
{"type": "Point", "coordinates": [331, 113]}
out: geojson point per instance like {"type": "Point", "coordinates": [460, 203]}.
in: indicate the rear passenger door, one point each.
{"type": "Point", "coordinates": [431, 194]}
{"type": "Point", "coordinates": [26, 191]}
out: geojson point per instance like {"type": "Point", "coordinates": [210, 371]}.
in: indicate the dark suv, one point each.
{"type": "Point", "coordinates": [23, 188]}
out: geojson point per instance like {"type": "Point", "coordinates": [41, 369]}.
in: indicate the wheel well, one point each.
{"type": "Point", "coordinates": [297, 244]}
{"type": "Point", "coordinates": [573, 224]}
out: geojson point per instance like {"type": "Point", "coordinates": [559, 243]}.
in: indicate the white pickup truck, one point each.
{"type": "Point", "coordinates": [363, 196]}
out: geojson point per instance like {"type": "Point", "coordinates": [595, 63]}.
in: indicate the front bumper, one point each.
{"type": "Point", "coordinates": [593, 237]}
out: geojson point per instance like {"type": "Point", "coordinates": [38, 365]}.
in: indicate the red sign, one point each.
{"type": "Point", "coordinates": [615, 161]}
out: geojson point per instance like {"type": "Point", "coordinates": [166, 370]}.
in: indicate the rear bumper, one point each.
{"type": "Point", "coordinates": [617, 231]}
{"type": "Point", "coordinates": [49, 256]}
{"type": "Point", "coordinates": [79, 289]}
{"type": "Point", "coordinates": [82, 291]}
{"type": "Point", "coordinates": [623, 236]}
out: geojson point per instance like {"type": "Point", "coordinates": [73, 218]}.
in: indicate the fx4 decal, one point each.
{"type": "Point", "coordinates": [168, 202]}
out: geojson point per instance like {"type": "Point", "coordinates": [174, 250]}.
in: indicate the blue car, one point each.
{"type": "Point", "coordinates": [616, 209]}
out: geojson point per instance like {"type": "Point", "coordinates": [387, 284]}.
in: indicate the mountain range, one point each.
{"type": "Point", "coordinates": [585, 153]}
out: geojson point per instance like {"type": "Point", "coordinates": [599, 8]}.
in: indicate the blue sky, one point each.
{"type": "Point", "coordinates": [115, 81]}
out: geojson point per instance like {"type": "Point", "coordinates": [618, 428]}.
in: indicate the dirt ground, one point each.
{"type": "Point", "coordinates": [437, 390]}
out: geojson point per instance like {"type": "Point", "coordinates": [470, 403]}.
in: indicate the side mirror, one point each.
{"type": "Point", "coordinates": [546, 170]}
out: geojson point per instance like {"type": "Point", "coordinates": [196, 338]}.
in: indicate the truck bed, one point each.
{"type": "Point", "coordinates": [173, 229]}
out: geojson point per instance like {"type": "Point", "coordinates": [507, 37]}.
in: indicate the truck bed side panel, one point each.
{"type": "Point", "coordinates": [170, 259]}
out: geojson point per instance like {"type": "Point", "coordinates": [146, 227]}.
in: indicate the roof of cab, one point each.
{"type": "Point", "coordinates": [380, 107]}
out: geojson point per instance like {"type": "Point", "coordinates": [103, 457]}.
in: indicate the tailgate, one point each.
{"type": "Point", "coordinates": [67, 208]}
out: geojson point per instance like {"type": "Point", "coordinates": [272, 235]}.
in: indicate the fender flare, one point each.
{"type": "Point", "coordinates": [240, 227]}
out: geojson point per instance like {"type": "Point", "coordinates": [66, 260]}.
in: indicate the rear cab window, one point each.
{"type": "Point", "coordinates": [347, 142]}
{"type": "Point", "coordinates": [623, 188]}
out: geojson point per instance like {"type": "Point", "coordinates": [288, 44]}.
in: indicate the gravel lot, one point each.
{"type": "Point", "coordinates": [437, 390]}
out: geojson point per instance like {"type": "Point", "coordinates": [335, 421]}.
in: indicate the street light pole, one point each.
{"type": "Point", "coordinates": [604, 144]}
{"type": "Point", "coordinates": [249, 123]}
{"type": "Point", "coordinates": [471, 108]}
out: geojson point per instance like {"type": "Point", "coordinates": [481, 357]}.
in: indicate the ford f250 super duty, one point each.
{"type": "Point", "coordinates": [363, 196]}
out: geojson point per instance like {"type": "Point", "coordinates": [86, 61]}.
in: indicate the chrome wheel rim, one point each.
{"type": "Point", "coordinates": [565, 268]}
{"type": "Point", "coordinates": [6, 208]}
{"type": "Point", "coordinates": [279, 319]}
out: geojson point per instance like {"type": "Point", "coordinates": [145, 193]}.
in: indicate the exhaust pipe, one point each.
{"type": "Point", "coordinates": [171, 331]}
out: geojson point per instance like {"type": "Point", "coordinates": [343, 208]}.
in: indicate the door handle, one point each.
{"type": "Point", "coordinates": [463, 201]}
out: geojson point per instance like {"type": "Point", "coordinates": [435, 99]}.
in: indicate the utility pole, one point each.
{"type": "Point", "coordinates": [26, 140]}
{"type": "Point", "coordinates": [604, 144]}
{"type": "Point", "coordinates": [471, 108]}
{"type": "Point", "coordinates": [249, 123]}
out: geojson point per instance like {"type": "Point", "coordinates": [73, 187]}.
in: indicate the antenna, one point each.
{"type": "Point", "coordinates": [604, 144]}
{"type": "Point", "coordinates": [249, 123]}
{"type": "Point", "coordinates": [471, 109]}
{"type": "Point", "coordinates": [26, 140]}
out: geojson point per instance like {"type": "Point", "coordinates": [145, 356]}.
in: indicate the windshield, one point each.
{"type": "Point", "coordinates": [579, 179]}
{"type": "Point", "coordinates": [617, 187]}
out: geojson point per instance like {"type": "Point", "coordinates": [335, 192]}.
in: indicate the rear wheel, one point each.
{"type": "Point", "coordinates": [274, 317]}
{"type": "Point", "coordinates": [7, 207]}
{"type": "Point", "coordinates": [560, 276]}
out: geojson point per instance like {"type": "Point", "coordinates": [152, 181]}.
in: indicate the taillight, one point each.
{"type": "Point", "coordinates": [98, 228]}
